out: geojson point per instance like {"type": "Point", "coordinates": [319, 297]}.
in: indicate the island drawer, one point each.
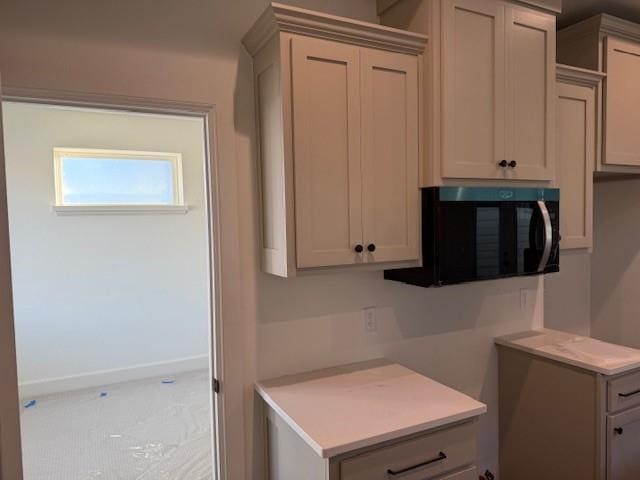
{"type": "Point", "coordinates": [418, 458]}
{"type": "Point", "coordinates": [624, 392]}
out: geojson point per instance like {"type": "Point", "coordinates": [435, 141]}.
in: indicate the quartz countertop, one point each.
{"type": "Point", "coordinates": [340, 409]}
{"type": "Point", "coordinates": [584, 352]}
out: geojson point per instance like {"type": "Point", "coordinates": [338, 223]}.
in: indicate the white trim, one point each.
{"type": "Point", "coordinates": [578, 76]}
{"type": "Point", "coordinates": [99, 378]}
{"type": "Point", "coordinates": [224, 303]}
{"type": "Point", "coordinates": [59, 153]}
{"type": "Point", "coordinates": [285, 18]}
{"type": "Point", "coordinates": [554, 7]}
{"type": "Point", "coordinates": [74, 210]}
{"type": "Point", "coordinates": [10, 443]}
{"type": "Point", "coordinates": [604, 24]}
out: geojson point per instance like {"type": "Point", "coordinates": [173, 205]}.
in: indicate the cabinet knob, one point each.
{"type": "Point", "coordinates": [619, 430]}
{"type": "Point", "coordinates": [513, 164]}
{"type": "Point", "coordinates": [503, 163]}
{"type": "Point", "coordinates": [371, 247]}
{"type": "Point", "coordinates": [358, 248]}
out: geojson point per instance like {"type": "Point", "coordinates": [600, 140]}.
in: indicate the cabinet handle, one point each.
{"type": "Point", "coordinates": [441, 456]}
{"type": "Point", "coordinates": [503, 163]}
{"type": "Point", "coordinates": [358, 248]}
{"type": "Point", "coordinates": [371, 247]}
{"type": "Point", "coordinates": [513, 164]}
{"type": "Point", "coordinates": [619, 430]}
{"type": "Point", "coordinates": [629, 394]}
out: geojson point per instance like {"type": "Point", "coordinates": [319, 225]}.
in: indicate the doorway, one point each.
{"type": "Point", "coordinates": [110, 249]}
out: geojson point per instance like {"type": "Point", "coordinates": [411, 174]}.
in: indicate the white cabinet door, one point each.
{"type": "Point", "coordinates": [623, 442]}
{"type": "Point", "coordinates": [326, 138]}
{"type": "Point", "coordinates": [622, 103]}
{"type": "Point", "coordinates": [390, 155]}
{"type": "Point", "coordinates": [530, 83]}
{"type": "Point", "coordinates": [576, 147]}
{"type": "Point", "coordinates": [473, 89]}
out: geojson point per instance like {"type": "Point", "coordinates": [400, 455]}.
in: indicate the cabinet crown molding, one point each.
{"type": "Point", "coordinates": [553, 6]}
{"type": "Point", "coordinates": [279, 18]}
{"type": "Point", "coordinates": [578, 76]}
{"type": "Point", "coordinates": [604, 24]}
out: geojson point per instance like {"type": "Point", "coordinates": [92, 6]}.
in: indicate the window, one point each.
{"type": "Point", "coordinates": [117, 180]}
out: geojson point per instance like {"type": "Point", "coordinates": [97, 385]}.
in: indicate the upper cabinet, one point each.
{"type": "Point", "coordinates": [490, 88]}
{"type": "Point", "coordinates": [338, 117]}
{"type": "Point", "coordinates": [612, 46]}
{"type": "Point", "coordinates": [622, 102]}
{"type": "Point", "coordinates": [473, 89]}
{"type": "Point", "coordinates": [577, 145]}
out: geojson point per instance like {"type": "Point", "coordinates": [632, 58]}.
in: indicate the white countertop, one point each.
{"type": "Point", "coordinates": [584, 352]}
{"type": "Point", "coordinates": [340, 409]}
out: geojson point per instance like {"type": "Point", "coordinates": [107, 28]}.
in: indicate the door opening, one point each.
{"type": "Point", "coordinates": [109, 220]}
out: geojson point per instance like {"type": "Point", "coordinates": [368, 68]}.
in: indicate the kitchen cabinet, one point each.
{"type": "Point", "coordinates": [326, 425]}
{"type": "Point", "coordinates": [612, 46]}
{"type": "Point", "coordinates": [473, 90]}
{"type": "Point", "coordinates": [327, 165]}
{"type": "Point", "coordinates": [622, 445]}
{"type": "Point", "coordinates": [338, 116]}
{"type": "Point", "coordinates": [585, 398]}
{"type": "Point", "coordinates": [577, 116]}
{"type": "Point", "coordinates": [490, 89]}
{"type": "Point", "coordinates": [553, 6]}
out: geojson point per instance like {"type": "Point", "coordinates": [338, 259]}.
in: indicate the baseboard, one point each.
{"type": "Point", "coordinates": [48, 386]}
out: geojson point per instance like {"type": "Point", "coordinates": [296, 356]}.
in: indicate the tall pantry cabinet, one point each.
{"type": "Point", "coordinates": [338, 114]}
{"type": "Point", "coordinates": [489, 88]}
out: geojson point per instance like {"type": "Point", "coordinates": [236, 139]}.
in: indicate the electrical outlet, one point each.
{"type": "Point", "coordinates": [369, 317]}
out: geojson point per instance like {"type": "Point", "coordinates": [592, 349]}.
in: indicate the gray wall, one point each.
{"type": "Point", "coordinates": [567, 295]}
{"type": "Point", "coordinates": [615, 270]}
{"type": "Point", "coordinates": [95, 293]}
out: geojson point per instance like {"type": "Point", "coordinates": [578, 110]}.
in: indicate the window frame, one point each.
{"type": "Point", "coordinates": [178, 205]}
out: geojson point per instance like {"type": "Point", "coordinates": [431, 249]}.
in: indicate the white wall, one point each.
{"type": "Point", "coordinates": [567, 294]}
{"type": "Point", "coordinates": [191, 51]}
{"type": "Point", "coordinates": [100, 293]}
{"type": "Point", "coordinates": [615, 269]}
{"type": "Point", "coordinates": [447, 333]}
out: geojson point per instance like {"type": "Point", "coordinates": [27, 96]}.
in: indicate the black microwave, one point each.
{"type": "Point", "coordinates": [480, 233]}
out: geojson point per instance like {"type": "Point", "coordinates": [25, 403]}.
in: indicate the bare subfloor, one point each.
{"type": "Point", "coordinates": [141, 430]}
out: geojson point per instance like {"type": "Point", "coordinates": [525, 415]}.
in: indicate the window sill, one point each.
{"type": "Point", "coordinates": [67, 210]}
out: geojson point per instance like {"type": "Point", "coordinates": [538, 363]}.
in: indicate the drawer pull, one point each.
{"type": "Point", "coordinates": [630, 394]}
{"type": "Point", "coordinates": [441, 456]}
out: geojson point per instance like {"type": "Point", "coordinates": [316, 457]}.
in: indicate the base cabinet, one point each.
{"type": "Point", "coordinates": [623, 445]}
{"type": "Point", "coordinates": [580, 423]}
{"type": "Point", "coordinates": [447, 453]}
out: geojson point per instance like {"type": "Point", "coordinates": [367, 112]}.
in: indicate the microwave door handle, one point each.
{"type": "Point", "coordinates": [548, 235]}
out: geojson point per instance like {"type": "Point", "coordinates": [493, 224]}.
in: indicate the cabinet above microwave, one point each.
{"type": "Point", "coordinates": [611, 46]}
{"type": "Point", "coordinates": [489, 89]}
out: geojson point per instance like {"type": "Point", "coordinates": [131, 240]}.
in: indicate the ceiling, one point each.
{"type": "Point", "coordinates": [575, 10]}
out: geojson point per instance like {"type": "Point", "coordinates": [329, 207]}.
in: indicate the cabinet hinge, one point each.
{"type": "Point", "coordinates": [216, 385]}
